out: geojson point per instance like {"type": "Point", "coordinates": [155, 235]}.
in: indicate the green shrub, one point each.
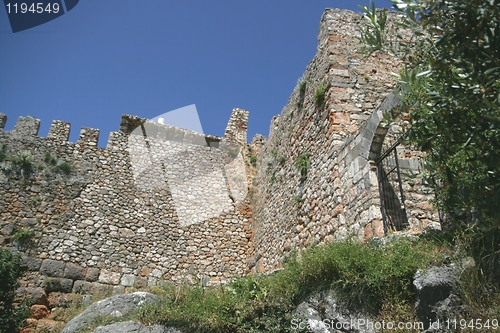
{"type": "Point", "coordinates": [302, 162]}
{"type": "Point", "coordinates": [302, 87]}
{"type": "Point", "coordinates": [11, 317]}
{"type": "Point", "coordinates": [65, 168]}
{"type": "Point", "coordinates": [24, 161]}
{"type": "Point", "coordinates": [281, 160]}
{"type": "Point", "coordinates": [320, 95]}
{"type": "Point", "coordinates": [302, 95]}
{"type": "Point", "coordinates": [3, 154]}
{"type": "Point", "coordinates": [49, 159]}
{"type": "Point", "coordinates": [253, 160]}
{"type": "Point", "coordinates": [24, 238]}
{"type": "Point", "coordinates": [272, 178]}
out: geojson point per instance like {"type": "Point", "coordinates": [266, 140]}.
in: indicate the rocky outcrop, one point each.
{"type": "Point", "coordinates": [433, 285]}
{"type": "Point", "coordinates": [134, 327]}
{"type": "Point", "coordinates": [437, 292]}
{"type": "Point", "coordinates": [115, 306]}
{"type": "Point", "coordinates": [322, 313]}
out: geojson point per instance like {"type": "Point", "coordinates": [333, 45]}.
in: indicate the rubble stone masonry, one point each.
{"type": "Point", "coordinates": [163, 203]}
{"type": "Point", "coordinates": [155, 204]}
{"type": "Point", "coordinates": [343, 138]}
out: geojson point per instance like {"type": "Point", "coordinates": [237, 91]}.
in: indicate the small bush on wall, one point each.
{"type": "Point", "coordinates": [320, 95]}
{"type": "Point", "coordinates": [302, 162]}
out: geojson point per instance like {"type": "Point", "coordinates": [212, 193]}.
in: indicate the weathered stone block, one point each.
{"type": "Point", "coordinates": [337, 118]}
{"type": "Point", "coordinates": [368, 231]}
{"type": "Point", "coordinates": [7, 229]}
{"type": "Point", "coordinates": [145, 271]}
{"type": "Point", "coordinates": [30, 324]}
{"type": "Point", "coordinates": [124, 232]}
{"type": "Point", "coordinates": [118, 290]}
{"type": "Point", "coordinates": [425, 206]}
{"type": "Point", "coordinates": [92, 274]}
{"type": "Point", "coordinates": [127, 280]}
{"type": "Point", "coordinates": [433, 286]}
{"type": "Point", "coordinates": [74, 272]}
{"type": "Point", "coordinates": [108, 277]}
{"type": "Point", "coordinates": [58, 285]}
{"type": "Point", "coordinates": [101, 289]}
{"type": "Point", "coordinates": [339, 72]}
{"type": "Point", "coordinates": [29, 222]}
{"type": "Point", "coordinates": [252, 261]}
{"type": "Point", "coordinates": [82, 287]}
{"type": "Point", "coordinates": [141, 282]}
{"type": "Point", "coordinates": [35, 296]}
{"type": "Point", "coordinates": [39, 311]}
{"type": "Point", "coordinates": [31, 264]}
{"type": "Point", "coordinates": [52, 268]}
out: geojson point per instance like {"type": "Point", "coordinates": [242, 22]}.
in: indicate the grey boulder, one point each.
{"type": "Point", "coordinates": [437, 290]}
{"type": "Point", "coordinates": [322, 313]}
{"type": "Point", "coordinates": [134, 327]}
{"type": "Point", "coordinates": [115, 306]}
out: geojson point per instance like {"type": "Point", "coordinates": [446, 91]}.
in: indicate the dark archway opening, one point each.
{"type": "Point", "coordinates": [392, 199]}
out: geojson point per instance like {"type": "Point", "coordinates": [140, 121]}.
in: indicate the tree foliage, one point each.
{"type": "Point", "coordinates": [373, 34]}
{"type": "Point", "coordinates": [452, 80]}
{"type": "Point", "coordinates": [11, 270]}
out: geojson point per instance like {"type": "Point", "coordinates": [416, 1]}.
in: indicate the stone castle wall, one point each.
{"type": "Point", "coordinates": [165, 203]}
{"type": "Point", "coordinates": [158, 203]}
{"type": "Point", "coordinates": [339, 197]}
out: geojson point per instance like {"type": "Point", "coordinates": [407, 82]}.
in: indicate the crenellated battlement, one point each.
{"type": "Point", "coordinates": [3, 120]}
{"type": "Point", "coordinates": [59, 130]}
{"type": "Point", "coordinates": [88, 137]}
{"type": "Point", "coordinates": [28, 127]}
{"type": "Point", "coordinates": [237, 126]}
{"type": "Point", "coordinates": [117, 141]}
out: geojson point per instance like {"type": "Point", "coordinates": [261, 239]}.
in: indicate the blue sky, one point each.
{"type": "Point", "coordinates": [109, 57]}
